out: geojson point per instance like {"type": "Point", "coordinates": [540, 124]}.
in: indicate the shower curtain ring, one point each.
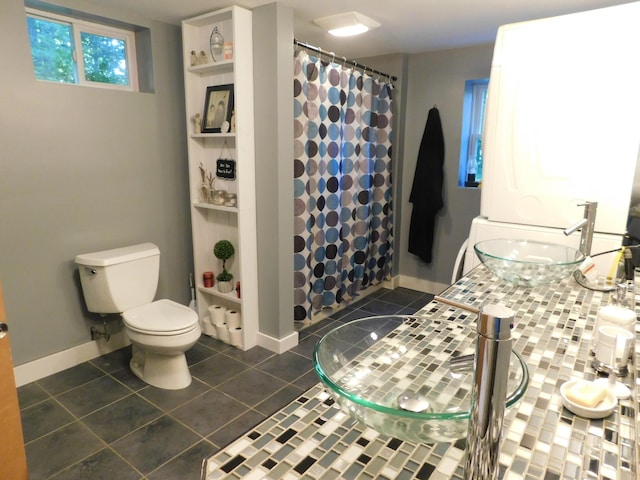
{"type": "Point", "coordinates": [344, 62]}
{"type": "Point", "coordinates": [333, 57]}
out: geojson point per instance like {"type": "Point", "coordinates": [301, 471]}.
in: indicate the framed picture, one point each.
{"type": "Point", "coordinates": [218, 107]}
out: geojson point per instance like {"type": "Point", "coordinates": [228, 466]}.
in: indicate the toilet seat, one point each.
{"type": "Point", "coordinates": [162, 317]}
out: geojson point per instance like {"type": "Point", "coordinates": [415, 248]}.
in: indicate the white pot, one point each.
{"type": "Point", "coordinates": [224, 287]}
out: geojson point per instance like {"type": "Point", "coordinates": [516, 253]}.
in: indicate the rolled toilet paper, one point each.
{"type": "Point", "coordinates": [207, 327]}
{"type": "Point", "coordinates": [217, 314]}
{"type": "Point", "coordinates": [222, 332]}
{"type": "Point", "coordinates": [235, 337]}
{"type": "Point", "coordinates": [232, 317]}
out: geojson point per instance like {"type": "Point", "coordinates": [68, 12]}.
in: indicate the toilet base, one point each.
{"type": "Point", "coordinates": [169, 372]}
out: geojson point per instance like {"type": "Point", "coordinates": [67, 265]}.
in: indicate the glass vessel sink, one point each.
{"type": "Point", "coordinates": [528, 263]}
{"type": "Point", "coordinates": [372, 365]}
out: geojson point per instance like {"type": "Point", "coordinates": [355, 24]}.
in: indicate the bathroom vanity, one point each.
{"type": "Point", "coordinates": [313, 439]}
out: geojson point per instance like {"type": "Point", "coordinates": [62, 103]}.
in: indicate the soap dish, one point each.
{"type": "Point", "coordinates": [603, 409]}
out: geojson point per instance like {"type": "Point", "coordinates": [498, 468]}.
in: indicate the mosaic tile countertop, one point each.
{"type": "Point", "coordinates": [312, 439]}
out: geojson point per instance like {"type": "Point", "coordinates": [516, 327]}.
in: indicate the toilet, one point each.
{"type": "Point", "coordinates": [124, 280]}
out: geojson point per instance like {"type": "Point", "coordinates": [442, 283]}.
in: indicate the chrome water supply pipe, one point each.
{"type": "Point", "coordinates": [489, 392]}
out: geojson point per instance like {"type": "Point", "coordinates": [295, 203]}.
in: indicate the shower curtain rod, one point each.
{"type": "Point", "coordinates": [345, 60]}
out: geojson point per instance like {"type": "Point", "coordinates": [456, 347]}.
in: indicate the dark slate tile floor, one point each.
{"type": "Point", "coordinates": [98, 421]}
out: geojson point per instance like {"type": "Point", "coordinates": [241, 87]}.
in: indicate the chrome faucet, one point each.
{"type": "Point", "coordinates": [489, 392]}
{"type": "Point", "coordinates": [587, 224]}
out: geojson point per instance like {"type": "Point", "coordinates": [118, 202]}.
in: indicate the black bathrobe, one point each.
{"type": "Point", "coordinates": [426, 192]}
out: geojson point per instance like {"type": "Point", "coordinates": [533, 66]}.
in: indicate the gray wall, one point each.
{"type": "Point", "coordinates": [85, 169]}
{"type": "Point", "coordinates": [437, 78]}
{"type": "Point", "coordinates": [273, 97]}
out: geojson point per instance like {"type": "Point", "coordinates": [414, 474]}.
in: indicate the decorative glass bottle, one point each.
{"type": "Point", "coordinates": [216, 44]}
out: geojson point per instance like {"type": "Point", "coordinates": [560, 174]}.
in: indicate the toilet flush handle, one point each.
{"type": "Point", "coordinates": [92, 271]}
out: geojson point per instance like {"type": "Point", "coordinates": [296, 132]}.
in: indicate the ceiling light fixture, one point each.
{"type": "Point", "coordinates": [347, 24]}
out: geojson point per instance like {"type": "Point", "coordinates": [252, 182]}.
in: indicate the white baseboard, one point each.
{"type": "Point", "coordinates": [420, 284]}
{"type": "Point", "coordinates": [57, 362]}
{"type": "Point", "coordinates": [414, 283]}
{"type": "Point", "coordinates": [277, 345]}
{"type": "Point", "coordinates": [392, 283]}
{"type": "Point", "coordinates": [43, 367]}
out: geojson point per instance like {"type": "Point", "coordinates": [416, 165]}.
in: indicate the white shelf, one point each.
{"type": "Point", "coordinates": [212, 206]}
{"type": "Point", "coordinates": [223, 66]}
{"type": "Point", "coordinates": [231, 296]}
{"type": "Point", "coordinates": [213, 135]}
{"type": "Point", "coordinates": [211, 223]}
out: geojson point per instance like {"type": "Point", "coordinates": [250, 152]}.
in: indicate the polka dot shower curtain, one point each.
{"type": "Point", "coordinates": [342, 173]}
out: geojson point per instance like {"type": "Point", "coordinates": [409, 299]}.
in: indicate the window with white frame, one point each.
{"type": "Point", "coordinates": [72, 50]}
{"type": "Point", "coordinates": [475, 99]}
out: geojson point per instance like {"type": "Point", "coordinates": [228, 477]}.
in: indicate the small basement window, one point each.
{"type": "Point", "coordinates": [66, 49]}
{"type": "Point", "coordinates": [475, 99]}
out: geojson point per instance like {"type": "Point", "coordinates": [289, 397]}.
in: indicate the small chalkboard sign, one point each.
{"type": "Point", "coordinates": [226, 168]}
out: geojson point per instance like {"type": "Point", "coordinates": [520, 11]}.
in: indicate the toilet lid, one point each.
{"type": "Point", "coordinates": [162, 317]}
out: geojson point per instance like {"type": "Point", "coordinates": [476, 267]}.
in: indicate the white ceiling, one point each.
{"type": "Point", "coordinates": [408, 26]}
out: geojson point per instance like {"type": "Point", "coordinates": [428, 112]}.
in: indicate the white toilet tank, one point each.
{"type": "Point", "coordinates": [116, 280]}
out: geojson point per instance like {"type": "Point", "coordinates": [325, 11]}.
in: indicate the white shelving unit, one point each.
{"type": "Point", "coordinates": [211, 222]}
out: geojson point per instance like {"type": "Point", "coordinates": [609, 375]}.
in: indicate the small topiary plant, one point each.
{"type": "Point", "coordinates": [224, 250]}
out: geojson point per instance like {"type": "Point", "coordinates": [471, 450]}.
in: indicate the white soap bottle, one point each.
{"type": "Point", "coordinates": [617, 313]}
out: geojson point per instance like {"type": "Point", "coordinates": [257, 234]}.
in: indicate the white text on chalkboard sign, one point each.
{"type": "Point", "coordinates": [226, 168]}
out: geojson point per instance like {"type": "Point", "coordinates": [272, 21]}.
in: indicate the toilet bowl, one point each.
{"type": "Point", "coordinates": [124, 280]}
{"type": "Point", "coordinates": [160, 333]}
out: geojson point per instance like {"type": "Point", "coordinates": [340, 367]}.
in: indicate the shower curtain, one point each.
{"type": "Point", "coordinates": [343, 235]}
